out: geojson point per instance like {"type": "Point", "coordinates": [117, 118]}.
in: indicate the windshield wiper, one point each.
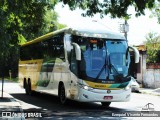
{"type": "Point", "coordinates": [104, 66]}
{"type": "Point", "coordinates": [119, 77]}
{"type": "Point", "coordinates": [115, 70]}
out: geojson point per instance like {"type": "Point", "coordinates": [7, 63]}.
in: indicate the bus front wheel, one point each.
{"type": "Point", "coordinates": [105, 104]}
{"type": "Point", "coordinates": [62, 95]}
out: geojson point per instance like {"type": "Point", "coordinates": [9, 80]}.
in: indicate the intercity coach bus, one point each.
{"type": "Point", "coordinates": [78, 64]}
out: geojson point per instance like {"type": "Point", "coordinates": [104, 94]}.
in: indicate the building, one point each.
{"type": "Point", "coordinates": [147, 73]}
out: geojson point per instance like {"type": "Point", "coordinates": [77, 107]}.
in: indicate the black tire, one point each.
{"type": "Point", "coordinates": [28, 87]}
{"type": "Point", "coordinates": [62, 94]}
{"type": "Point", "coordinates": [24, 83]}
{"type": "Point", "coordinates": [105, 104]}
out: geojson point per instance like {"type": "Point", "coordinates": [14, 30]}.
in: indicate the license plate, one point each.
{"type": "Point", "coordinates": [108, 97]}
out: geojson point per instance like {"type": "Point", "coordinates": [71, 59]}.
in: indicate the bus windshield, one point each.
{"type": "Point", "coordinates": [97, 56]}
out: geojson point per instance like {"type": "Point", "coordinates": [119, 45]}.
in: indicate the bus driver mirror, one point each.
{"type": "Point", "coordinates": [77, 51]}
{"type": "Point", "coordinates": [136, 54]}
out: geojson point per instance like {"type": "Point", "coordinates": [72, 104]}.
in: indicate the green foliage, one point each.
{"type": "Point", "coordinates": [156, 11]}
{"type": "Point", "coordinates": [21, 39]}
{"type": "Point", "coordinates": [22, 20]}
{"type": "Point", "coordinates": [153, 47]}
{"type": "Point", "coordinates": [60, 26]}
{"type": "Point", "coordinates": [116, 8]}
{"type": "Point", "coordinates": [25, 19]}
{"type": "Point", "coordinates": [11, 79]}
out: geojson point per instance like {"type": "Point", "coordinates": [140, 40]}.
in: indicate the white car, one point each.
{"type": "Point", "coordinates": [134, 85]}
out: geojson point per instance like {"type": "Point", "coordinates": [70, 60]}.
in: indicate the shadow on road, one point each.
{"type": "Point", "coordinates": [50, 106]}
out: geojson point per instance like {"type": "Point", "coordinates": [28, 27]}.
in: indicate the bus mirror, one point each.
{"type": "Point", "coordinates": [136, 54]}
{"type": "Point", "coordinates": [77, 50]}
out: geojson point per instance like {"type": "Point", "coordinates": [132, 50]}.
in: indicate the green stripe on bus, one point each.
{"type": "Point", "coordinates": [123, 85]}
{"type": "Point", "coordinates": [114, 86]}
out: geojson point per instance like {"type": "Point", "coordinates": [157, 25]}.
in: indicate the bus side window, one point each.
{"type": "Point", "coordinates": [73, 65]}
{"type": "Point", "coordinates": [56, 47]}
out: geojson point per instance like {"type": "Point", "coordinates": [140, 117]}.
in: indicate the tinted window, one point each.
{"type": "Point", "coordinates": [47, 49]}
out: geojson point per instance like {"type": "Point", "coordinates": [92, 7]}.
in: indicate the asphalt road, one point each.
{"type": "Point", "coordinates": [50, 107]}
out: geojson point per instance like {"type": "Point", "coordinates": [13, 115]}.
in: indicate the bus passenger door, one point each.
{"type": "Point", "coordinates": [74, 73]}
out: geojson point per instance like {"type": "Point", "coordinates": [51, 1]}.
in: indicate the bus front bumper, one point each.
{"type": "Point", "coordinates": [102, 95]}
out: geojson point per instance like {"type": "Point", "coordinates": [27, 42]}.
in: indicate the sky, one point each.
{"type": "Point", "coordinates": [139, 27]}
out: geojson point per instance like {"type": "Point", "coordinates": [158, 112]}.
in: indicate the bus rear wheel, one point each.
{"type": "Point", "coordinates": [28, 87]}
{"type": "Point", "coordinates": [24, 83]}
{"type": "Point", "coordinates": [62, 95]}
{"type": "Point", "coordinates": [105, 104]}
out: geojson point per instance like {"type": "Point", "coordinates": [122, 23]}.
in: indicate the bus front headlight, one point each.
{"type": "Point", "coordinates": [85, 87]}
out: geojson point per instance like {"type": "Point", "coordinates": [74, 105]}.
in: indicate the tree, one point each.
{"type": "Point", "coordinates": [116, 8]}
{"type": "Point", "coordinates": [23, 20]}
{"type": "Point", "coordinates": [153, 47]}
{"type": "Point", "coordinates": [156, 11]}
{"type": "Point", "coordinates": [26, 18]}
{"type": "Point", "coordinates": [151, 38]}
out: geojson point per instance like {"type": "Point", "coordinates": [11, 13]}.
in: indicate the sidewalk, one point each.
{"type": "Point", "coordinates": [8, 108]}
{"type": "Point", "coordinates": [150, 91]}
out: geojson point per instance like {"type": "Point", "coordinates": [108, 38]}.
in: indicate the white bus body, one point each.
{"type": "Point", "coordinates": [82, 65]}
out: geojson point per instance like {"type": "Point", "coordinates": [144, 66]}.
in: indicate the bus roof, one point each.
{"type": "Point", "coordinates": [98, 33]}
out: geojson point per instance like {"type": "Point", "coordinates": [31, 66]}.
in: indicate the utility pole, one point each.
{"type": "Point", "coordinates": [124, 28]}
{"type": "Point", "coordinates": [2, 86]}
{"type": "Point", "coordinates": [2, 75]}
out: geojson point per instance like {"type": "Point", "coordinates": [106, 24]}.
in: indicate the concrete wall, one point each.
{"type": "Point", "coordinates": [152, 78]}
{"type": "Point", "coordinates": [140, 75]}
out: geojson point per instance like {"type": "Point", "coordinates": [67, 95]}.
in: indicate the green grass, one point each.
{"type": "Point", "coordinates": [11, 79]}
{"type": "Point", "coordinates": [150, 93]}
